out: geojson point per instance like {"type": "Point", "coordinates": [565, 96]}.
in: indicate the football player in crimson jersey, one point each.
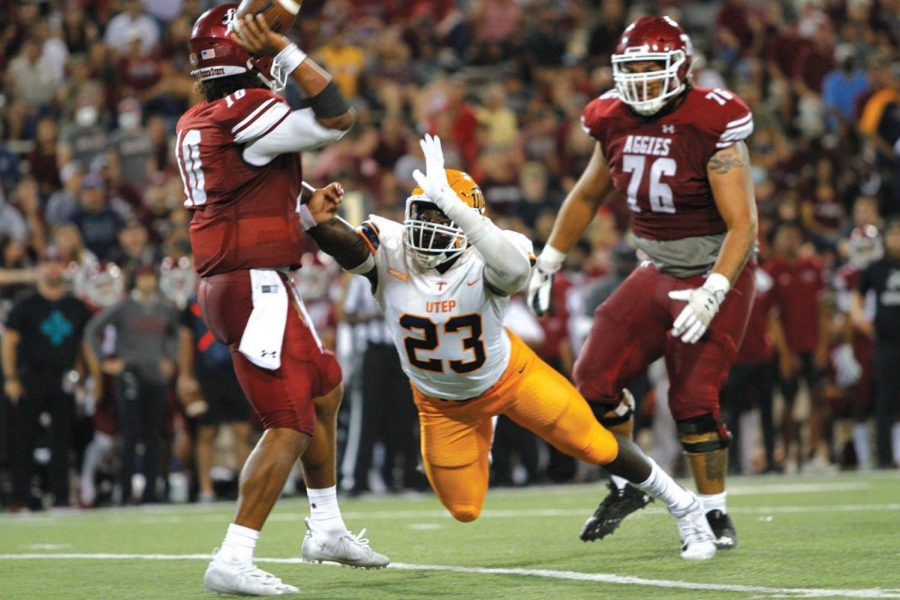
{"type": "Point", "coordinates": [677, 153]}
{"type": "Point", "coordinates": [443, 280]}
{"type": "Point", "coordinates": [239, 155]}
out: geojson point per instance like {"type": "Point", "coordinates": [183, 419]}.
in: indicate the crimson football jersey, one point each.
{"type": "Point", "coordinates": [244, 216]}
{"type": "Point", "coordinates": [797, 288]}
{"type": "Point", "coordinates": [659, 164]}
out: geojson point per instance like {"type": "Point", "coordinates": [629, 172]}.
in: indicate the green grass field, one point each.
{"type": "Point", "coordinates": [800, 537]}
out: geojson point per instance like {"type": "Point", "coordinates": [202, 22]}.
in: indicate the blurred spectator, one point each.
{"type": "Point", "coordinates": [85, 138]}
{"type": "Point", "coordinates": [880, 123]}
{"type": "Point", "coordinates": [63, 203]}
{"type": "Point", "coordinates": [42, 161]}
{"type": "Point", "coordinates": [41, 345]}
{"type": "Point", "coordinates": [12, 223]}
{"type": "Point", "coordinates": [134, 249]}
{"type": "Point", "coordinates": [497, 120]}
{"type": "Point", "coordinates": [130, 24]}
{"type": "Point", "coordinates": [211, 395]}
{"type": "Point", "coordinates": [146, 338]}
{"type": "Point", "coordinates": [27, 200]}
{"type": "Point", "coordinates": [494, 22]}
{"type": "Point", "coordinates": [797, 295]}
{"type": "Point", "coordinates": [78, 31]}
{"type": "Point", "coordinates": [386, 413]}
{"type": "Point", "coordinates": [31, 77]}
{"type": "Point", "coordinates": [883, 278]}
{"type": "Point", "coordinates": [132, 145]}
{"type": "Point", "coordinates": [812, 63]}
{"type": "Point", "coordinates": [344, 60]}
{"type": "Point", "coordinates": [99, 224]}
{"type": "Point", "coordinates": [842, 87]}
{"type": "Point", "coordinates": [15, 265]}
{"type": "Point", "coordinates": [750, 382]}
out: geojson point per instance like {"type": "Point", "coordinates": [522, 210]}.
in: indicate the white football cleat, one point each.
{"type": "Point", "coordinates": [697, 539]}
{"type": "Point", "coordinates": [244, 579]}
{"type": "Point", "coordinates": [344, 548]}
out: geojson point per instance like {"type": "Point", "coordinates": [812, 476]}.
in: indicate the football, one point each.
{"type": "Point", "coordinates": [279, 14]}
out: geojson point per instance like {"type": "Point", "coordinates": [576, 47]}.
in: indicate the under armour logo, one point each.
{"type": "Point", "coordinates": [668, 129]}
{"type": "Point", "coordinates": [265, 353]}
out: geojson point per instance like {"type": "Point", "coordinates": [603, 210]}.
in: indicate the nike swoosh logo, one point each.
{"type": "Point", "coordinates": [471, 283]}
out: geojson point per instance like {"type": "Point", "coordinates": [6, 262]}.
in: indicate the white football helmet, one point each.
{"type": "Point", "coordinates": [434, 242]}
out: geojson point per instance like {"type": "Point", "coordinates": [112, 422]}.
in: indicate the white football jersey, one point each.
{"type": "Point", "coordinates": [448, 327]}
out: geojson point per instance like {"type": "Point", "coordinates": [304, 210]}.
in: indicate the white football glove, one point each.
{"type": "Point", "coordinates": [703, 304]}
{"type": "Point", "coordinates": [434, 182]}
{"type": "Point", "coordinates": [541, 283]}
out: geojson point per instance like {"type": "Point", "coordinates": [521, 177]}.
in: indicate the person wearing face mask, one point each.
{"type": "Point", "coordinates": [86, 137]}
{"type": "Point", "coordinates": [132, 144]}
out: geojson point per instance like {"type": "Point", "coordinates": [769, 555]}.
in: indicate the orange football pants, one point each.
{"type": "Point", "coordinates": [457, 436]}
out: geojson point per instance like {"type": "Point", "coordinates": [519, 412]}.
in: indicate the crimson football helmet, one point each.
{"type": "Point", "coordinates": [656, 39]}
{"type": "Point", "coordinates": [435, 242]}
{"type": "Point", "coordinates": [214, 54]}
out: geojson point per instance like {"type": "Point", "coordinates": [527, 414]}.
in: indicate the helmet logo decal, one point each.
{"type": "Point", "coordinates": [229, 16]}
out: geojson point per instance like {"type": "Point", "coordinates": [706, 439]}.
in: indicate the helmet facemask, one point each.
{"type": "Point", "coordinates": [636, 88]}
{"type": "Point", "coordinates": [433, 238]}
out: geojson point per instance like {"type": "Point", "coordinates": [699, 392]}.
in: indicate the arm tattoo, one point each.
{"type": "Point", "coordinates": [735, 156]}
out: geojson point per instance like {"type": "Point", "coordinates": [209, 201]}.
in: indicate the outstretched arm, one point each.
{"type": "Point", "coordinates": [506, 264]}
{"type": "Point", "coordinates": [334, 235]}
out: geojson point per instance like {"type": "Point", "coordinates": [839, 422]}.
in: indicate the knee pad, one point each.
{"type": "Point", "coordinates": [703, 434]}
{"type": "Point", "coordinates": [611, 415]}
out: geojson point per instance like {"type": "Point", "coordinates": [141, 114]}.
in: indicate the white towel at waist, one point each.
{"type": "Point", "coordinates": [264, 334]}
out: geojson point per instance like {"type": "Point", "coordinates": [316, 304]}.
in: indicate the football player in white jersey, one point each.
{"type": "Point", "coordinates": [443, 280]}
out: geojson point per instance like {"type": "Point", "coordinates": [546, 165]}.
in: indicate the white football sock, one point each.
{"type": "Point", "coordinates": [618, 482]}
{"type": "Point", "coordinates": [325, 514]}
{"type": "Point", "coordinates": [239, 544]}
{"type": "Point", "coordinates": [93, 456]}
{"type": "Point", "coordinates": [862, 446]}
{"type": "Point", "coordinates": [661, 485]}
{"type": "Point", "coordinates": [713, 501]}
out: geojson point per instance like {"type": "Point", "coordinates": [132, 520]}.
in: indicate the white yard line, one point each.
{"type": "Point", "coordinates": [546, 573]}
{"type": "Point", "coordinates": [138, 517]}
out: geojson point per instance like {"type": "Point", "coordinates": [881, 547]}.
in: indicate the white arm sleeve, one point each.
{"type": "Point", "coordinates": [298, 131]}
{"type": "Point", "coordinates": [507, 254]}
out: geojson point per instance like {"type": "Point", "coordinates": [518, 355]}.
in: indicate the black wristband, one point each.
{"type": "Point", "coordinates": [330, 102]}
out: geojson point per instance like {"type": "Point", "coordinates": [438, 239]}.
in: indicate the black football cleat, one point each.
{"type": "Point", "coordinates": [723, 529]}
{"type": "Point", "coordinates": [614, 508]}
